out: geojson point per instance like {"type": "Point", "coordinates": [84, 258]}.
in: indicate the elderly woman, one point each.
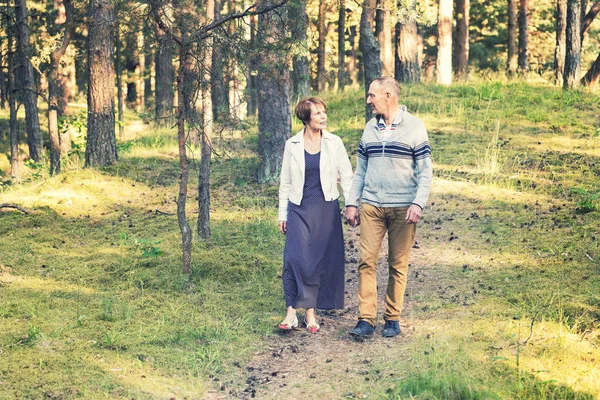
{"type": "Point", "coordinates": [309, 216]}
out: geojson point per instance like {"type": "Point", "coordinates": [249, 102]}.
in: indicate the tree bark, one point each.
{"type": "Point", "coordinates": [383, 31]}
{"type": "Point", "coordinates": [274, 118]}
{"type": "Point", "coordinates": [252, 71]}
{"type": "Point", "coordinates": [15, 172]}
{"type": "Point", "coordinates": [561, 40]}
{"type": "Point", "coordinates": [54, 90]}
{"type": "Point", "coordinates": [342, 46]}
{"type": "Point", "coordinates": [207, 132]}
{"type": "Point", "coordinates": [119, 76]}
{"type": "Point", "coordinates": [573, 49]}
{"type": "Point", "coordinates": [444, 60]}
{"type": "Point", "coordinates": [165, 76]}
{"type": "Point", "coordinates": [322, 28]}
{"type": "Point", "coordinates": [353, 68]}
{"type": "Point", "coordinates": [184, 226]}
{"type": "Point", "coordinates": [101, 149]}
{"type": "Point", "coordinates": [220, 102]}
{"type": "Point", "coordinates": [301, 69]}
{"type": "Point", "coordinates": [512, 62]}
{"type": "Point", "coordinates": [408, 69]}
{"type": "Point", "coordinates": [28, 87]}
{"type": "Point", "coordinates": [523, 21]}
{"type": "Point", "coordinates": [589, 18]}
{"type": "Point", "coordinates": [461, 49]}
{"type": "Point", "coordinates": [591, 77]}
{"type": "Point", "coordinates": [370, 50]}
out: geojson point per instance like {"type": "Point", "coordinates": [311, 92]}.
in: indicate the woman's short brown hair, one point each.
{"type": "Point", "coordinates": [303, 108]}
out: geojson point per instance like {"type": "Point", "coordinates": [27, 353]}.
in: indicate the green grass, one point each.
{"type": "Point", "coordinates": [93, 303]}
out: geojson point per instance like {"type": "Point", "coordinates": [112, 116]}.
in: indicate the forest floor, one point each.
{"type": "Point", "coordinates": [502, 300]}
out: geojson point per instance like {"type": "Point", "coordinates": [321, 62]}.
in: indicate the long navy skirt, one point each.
{"type": "Point", "coordinates": [313, 258]}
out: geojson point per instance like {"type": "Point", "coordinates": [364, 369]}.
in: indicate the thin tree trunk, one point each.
{"type": "Point", "coordinates": [342, 46]}
{"type": "Point", "coordinates": [149, 65]}
{"type": "Point", "coordinates": [184, 226]}
{"type": "Point", "coordinates": [523, 35]}
{"type": "Point", "coordinates": [207, 131]}
{"type": "Point", "coordinates": [119, 74]}
{"type": "Point", "coordinates": [370, 50]}
{"type": "Point", "coordinates": [589, 18]}
{"type": "Point", "coordinates": [301, 69]}
{"type": "Point", "coordinates": [219, 99]}
{"type": "Point", "coordinates": [407, 53]}
{"type": "Point", "coordinates": [274, 118]}
{"type": "Point", "coordinates": [383, 31]}
{"type": "Point", "coordinates": [561, 40]}
{"type": "Point", "coordinates": [54, 90]}
{"type": "Point", "coordinates": [101, 146]}
{"type": "Point", "coordinates": [353, 68]}
{"type": "Point", "coordinates": [253, 71]}
{"type": "Point", "coordinates": [573, 50]}
{"type": "Point", "coordinates": [322, 28]}
{"type": "Point", "coordinates": [461, 44]}
{"type": "Point", "coordinates": [165, 74]}
{"type": "Point", "coordinates": [28, 88]}
{"type": "Point", "coordinates": [444, 61]}
{"type": "Point", "coordinates": [3, 88]}
{"type": "Point", "coordinates": [512, 62]}
{"type": "Point", "coordinates": [591, 78]}
{"type": "Point", "coordinates": [15, 172]}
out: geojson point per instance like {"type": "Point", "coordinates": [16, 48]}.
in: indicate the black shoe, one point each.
{"type": "Point", "coordinates": [362, 329]}
{"type": "Point", "coordinates": [391, 329]}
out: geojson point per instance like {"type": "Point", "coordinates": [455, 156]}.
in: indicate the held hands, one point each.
{"type": "Point", "coordinates": [414, 213]}
{"type": "Point", "coordinates": [352, 216]}
{"type": "Point", "coordinates": [282, 227]}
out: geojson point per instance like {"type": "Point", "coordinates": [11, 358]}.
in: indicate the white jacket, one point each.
{"type": "Point", "coordinates": [334, 162]}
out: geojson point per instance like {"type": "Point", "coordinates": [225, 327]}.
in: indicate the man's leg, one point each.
{"type": "Point", "coordinates": [372, 231]}
{"type": "Point", "coordinates": [401, 236]}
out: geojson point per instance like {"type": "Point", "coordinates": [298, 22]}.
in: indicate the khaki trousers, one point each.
{"type": "Point", "coordinates": [375, 221]}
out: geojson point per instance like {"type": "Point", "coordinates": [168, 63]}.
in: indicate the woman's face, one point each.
{"type": "Point", "coordinates": [318, 117]}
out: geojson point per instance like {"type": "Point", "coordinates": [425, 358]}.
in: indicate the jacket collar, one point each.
{"type": "Point", "coordinates": [299, 137]}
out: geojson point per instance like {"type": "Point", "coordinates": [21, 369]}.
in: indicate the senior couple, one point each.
{"type": "Point", "coordinates": [393, 177]}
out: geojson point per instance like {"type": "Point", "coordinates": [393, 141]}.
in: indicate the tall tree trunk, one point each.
{"type": "Point", "coordinates": [301, 69]}
{"type": "Point", "coordinates": [444, 60]}
{"type": "Point", "coordinates": [370, 50]}
{"type": "Point", "coordinates": [512, 62]}
{"type": "Point", "coordinates": [119, 75]}
{"type": "Point", "coordinates": [322, 28]}
{"type": "Point", "coordinates": [184, 226]}
{"type": "Point", "coordinates": [253, 71]}
{"type": "Point", "coordinates": [165, 75]}
{"type": "Point", "coordinates": [101, 148]}
{"type": "Point", "coordinates": [523, 35]}
{"type": "Point", "coordinates": [461, 44]}
{"type": "Point", "coordinates": [149, 65]}
{"type": "Point", "coordinates": [3, 88]}
{"type": "Point", "coordinates": [220, 102]}
{"type": "Point", "coordinates": [589, 18]}
{"type": "Point", "coordinates": [591, 78]}
{"type": "Point", "coordinates": [54, 90]}
{"type": "Point", "coordinates": [573, 50]}
{"type": "Point", "coordinates": [28, 87]}
{"type": "Point", "coordinates": [207, 131]}
{"type": "Point", "coordinates": [383, 31]}
{"type": "Point", "coordinates": [274, 118]}
{"type": "Point", "coordinates": [561, 40]}
{"type": "Point", "coordinates": [139, 103]}
{"type": "Point", "coordinates": [353, 68]}
{"type": "Point", "coordinates": [15, 172]}
{"type": "Point", "coordinates": [342, 45]}
{"type": "Point", "coordinates": [408, 69]}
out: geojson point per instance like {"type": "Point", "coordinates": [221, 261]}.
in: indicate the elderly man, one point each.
{"type": "Point", "coordinates": [393, 176]}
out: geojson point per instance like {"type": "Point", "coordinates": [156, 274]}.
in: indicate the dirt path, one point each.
{"type": "Point", "coordinates": [328, 364]}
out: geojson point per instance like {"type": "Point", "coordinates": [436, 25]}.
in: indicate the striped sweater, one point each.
{"type": "Point", "coordinates": [395, 171]}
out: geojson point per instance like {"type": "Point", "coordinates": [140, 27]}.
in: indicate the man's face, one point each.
{"type": "Point", "coordinates": [377, 98]}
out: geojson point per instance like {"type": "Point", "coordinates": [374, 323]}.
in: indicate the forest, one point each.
{"type": "Point", "coordinates": [141, 145]}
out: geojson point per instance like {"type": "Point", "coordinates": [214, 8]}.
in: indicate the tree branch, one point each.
{"type": "Point", "coordinates": [589, 18]}
{"type": "Point", "coordinates": [69, 30]}
{"type": "Point", "coordinates": [15, 206]}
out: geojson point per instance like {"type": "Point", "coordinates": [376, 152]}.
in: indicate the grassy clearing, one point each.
{"type": "Point", "coordinates": [505, 303]}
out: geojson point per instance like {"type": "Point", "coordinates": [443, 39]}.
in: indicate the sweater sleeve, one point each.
{"type": "Point", "coordinates": [358, 181]}
{"type": "Point", "coordinates": [422, 155]}
{"type": "Point", "coordinates": [345, 170]}
{"type": "Point", "coordinates": [285, 184]}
